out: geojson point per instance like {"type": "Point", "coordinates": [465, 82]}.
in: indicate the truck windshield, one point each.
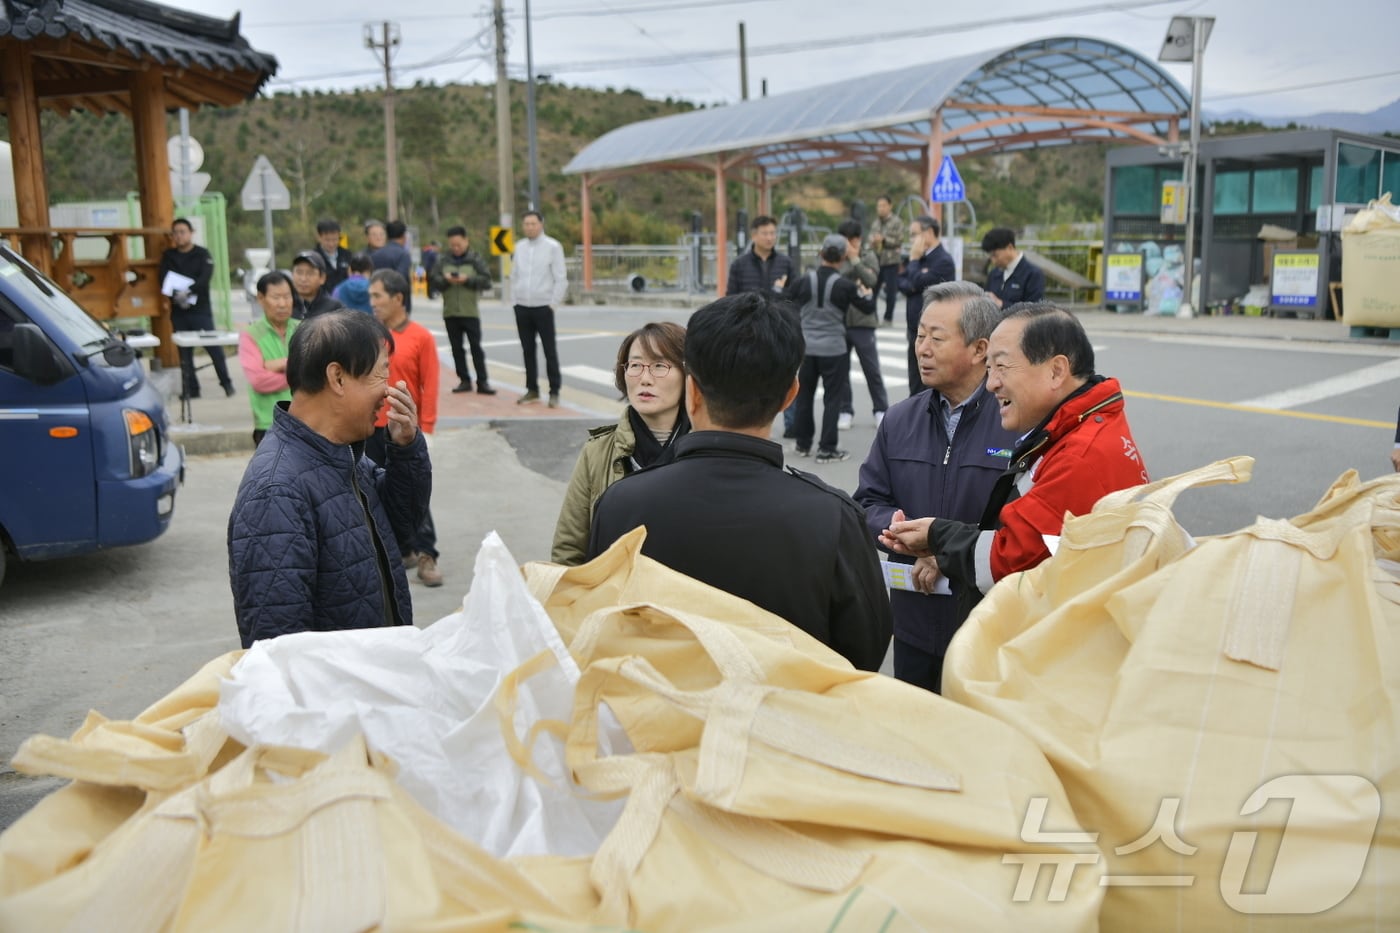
{"type": "Point", "coordinates": [66, 315]}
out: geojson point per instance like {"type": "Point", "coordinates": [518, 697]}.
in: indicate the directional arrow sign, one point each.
{"type": "Point", "coordinates": [265, 189]}
{"type": "Point", "coordinates": [502, 241]}
{"type": "Point", "coordinates": [948, 186]}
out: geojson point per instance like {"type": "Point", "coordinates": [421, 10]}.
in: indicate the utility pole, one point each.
{"type": "Point", "coordinates": [505, 179]}
{"type": "Point", "coordinates": [744, 95]}
{"type": "Point", "coordinates": [386, 45]}
{"type": "Point", "coordinates": [530, 113]}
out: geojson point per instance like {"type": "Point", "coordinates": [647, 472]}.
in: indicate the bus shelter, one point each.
{"type": "Point", "coordinates": [1303, 181]}
{"type": "Point", "coordinates": [129, 57]}
{"type": "Point", "coordinates": [1047, 92]}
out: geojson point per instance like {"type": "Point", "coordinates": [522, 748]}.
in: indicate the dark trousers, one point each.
{"type": "Point", "coordinates": [192, 319]}
{"type": "Point", "coordinates": [862, 340]}
{"type": "Point", "coordinates": [422, 539]}
{"type": "Point", "coordinates": [917, 666]}
{"type": "Point", "coordinates": [834, 372]}
{"type": "Point", "coordinates": [258, 435]}
{"type": "Point", "coordinates": [471, 328]}
{"type": "Point", "coordinates": [916, 384]}
{"type": "Point", "coordinates": [529, 323]}
{"type": "Point", "coordinates": [889, 284]}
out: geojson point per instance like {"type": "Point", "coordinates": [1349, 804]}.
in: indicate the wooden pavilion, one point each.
{"type": "Point", "coordinates": [131, 57]}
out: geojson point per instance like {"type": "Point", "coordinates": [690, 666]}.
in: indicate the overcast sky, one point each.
{"type": "Point", "coordinates": [1271, 57]}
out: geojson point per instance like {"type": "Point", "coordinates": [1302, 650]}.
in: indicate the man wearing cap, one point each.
{"type": "Point", "coordinates": [825, 295]}
{"type": "Point", "coordinates": [308, 281]}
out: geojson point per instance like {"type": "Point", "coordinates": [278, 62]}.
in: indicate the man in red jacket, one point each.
{"type": "Point", "coordinates": [414, 361]}
{"type": "Point", "coordinates": [1075, 447]}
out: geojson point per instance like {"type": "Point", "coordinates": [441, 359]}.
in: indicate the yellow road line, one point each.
{"type": "Point", "coordinates": [1250, 409]}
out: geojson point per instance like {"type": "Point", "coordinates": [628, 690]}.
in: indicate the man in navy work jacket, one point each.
{"type": "Point", "coordinates": [937, 453]}
{"type": "Point", "coordinates": [1013, 278]}
{"type": "Point", "coordinates": [929, 264]}
{"type": "Point", "coordinates": [310, 540]}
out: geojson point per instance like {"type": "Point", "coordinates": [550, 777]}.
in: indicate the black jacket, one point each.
{"type": "Point", "coordinates": [303, 309]}
{"type": "Point", "coordinates": [337, 267]}
{"type": "Point", "coordinates": [310, 538]}
{"type": "Point", "coordinates": [932, 268]}
{"type": "Point", "coordinates": [1027, 283]}
{"type": "Point", "coordinates": [727, 513]}
{"type": "Point", "coordinates": [751, 274]}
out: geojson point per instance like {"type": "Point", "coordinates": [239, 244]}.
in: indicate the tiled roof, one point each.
{"type": "Point", "coordinates": [141, 29]}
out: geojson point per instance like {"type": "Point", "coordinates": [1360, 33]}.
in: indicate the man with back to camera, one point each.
{"type": "Point", "coordinates": [929, 264]}
{"type": "Point", "coordinates": [413, 362]}
{"type": "Point", "coordinates": [263, 349]}
{"type": "Point", "coordinates": [393, 254]}
{"type": "Point", "coordinates": [1075, 448]}
{"type": "Point", "coordinates": [308, 284]}
{"type": "Point", "coordinates": [1014, 278]}
{"type": "Point", "coordinates": [727, 513]}
{"type": "Point", "coordinates": [335, 256]}
{"type": "Point", "coordinates": [862, 269]}
{"type": "Point", "coordinates": [538, 282]}
{"type": "Point", "coordinates": [886, 238]}
{"type": "Point", "coordinates": [310, 537]}
{"type": "Point", "coordinates": [190, 308]}
{"type": "Point", "coordinates": [825, 296]}
{"type": "Point", "coordinates": [937, 453]}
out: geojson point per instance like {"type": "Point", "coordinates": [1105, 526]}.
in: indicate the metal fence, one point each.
{"type": "Point", "coordinates": [689, 266]}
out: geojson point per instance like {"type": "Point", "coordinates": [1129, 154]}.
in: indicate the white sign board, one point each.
{"type": "Point", "coordinates": [1294, 280]}
{"type": "Point", "coordinates": [265, 189]}
{"type": "Point", "coordinates": [1122, 277]}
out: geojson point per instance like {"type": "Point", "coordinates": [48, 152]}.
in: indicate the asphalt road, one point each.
{"type": "Point", "coordinates": [116, 630]}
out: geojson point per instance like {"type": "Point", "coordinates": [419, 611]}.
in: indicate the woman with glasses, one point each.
{"type": "Point", "coordinates": [650, 373]}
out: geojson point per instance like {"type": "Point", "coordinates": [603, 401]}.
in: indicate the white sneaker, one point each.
{"type": "Point", "coordinates": [843, 421]}
{"type": "Point", "coordinates": [879, 416]}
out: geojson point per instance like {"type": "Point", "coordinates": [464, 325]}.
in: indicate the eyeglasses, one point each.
{"type": "Point", "coordinates": [659, 370]}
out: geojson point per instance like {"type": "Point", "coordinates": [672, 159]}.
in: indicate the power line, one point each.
{"type": "Point", "coordinates": [1304, 87]}
{"type": "Point", "coordinates": [843, 42]}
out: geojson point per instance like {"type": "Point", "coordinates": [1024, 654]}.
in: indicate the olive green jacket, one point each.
{"type": "Point", "coordinates": [893, 229]}
{"type": "Point", "coordinates": [605, 458]}
{"type": "Point", "coordinates": [459, 299]}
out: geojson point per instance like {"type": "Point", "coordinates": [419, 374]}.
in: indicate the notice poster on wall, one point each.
{"type": "Point", "coordinates": [1123, 277]}
{"type": "Point", "coordinates": [1293, 284]}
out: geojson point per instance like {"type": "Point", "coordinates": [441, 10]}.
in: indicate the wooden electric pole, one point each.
{"type": "Point", "coordinates": [383, 48]}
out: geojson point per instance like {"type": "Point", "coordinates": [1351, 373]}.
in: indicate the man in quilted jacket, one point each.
{"type": "Point", "coordinates": [310, 540]}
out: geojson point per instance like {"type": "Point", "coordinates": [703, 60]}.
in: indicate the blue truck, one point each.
{"type": "Point", "coordinates": [86, 460]}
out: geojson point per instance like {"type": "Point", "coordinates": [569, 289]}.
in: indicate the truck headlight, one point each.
{"type": "Point", "coordinates": [144, 441]}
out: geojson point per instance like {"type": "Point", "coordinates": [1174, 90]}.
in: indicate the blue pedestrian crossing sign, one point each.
{"type": "Point", "coordinates": [948, 184]}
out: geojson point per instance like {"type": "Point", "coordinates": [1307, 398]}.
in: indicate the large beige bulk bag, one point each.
{"type": "Point", "coordinates": [1223, 717]}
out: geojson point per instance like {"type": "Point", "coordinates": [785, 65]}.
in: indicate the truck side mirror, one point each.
{"type": "Point", "coordinates": [35, 358]}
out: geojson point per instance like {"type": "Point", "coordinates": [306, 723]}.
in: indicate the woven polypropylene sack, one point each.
{"type": "Point", "coordinates": [1224, 717]}
{"type": "Point", "coordinates": [773, 786]}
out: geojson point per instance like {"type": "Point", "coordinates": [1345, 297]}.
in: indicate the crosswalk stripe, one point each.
{"type": "Point", "coordinates": [594, 374]}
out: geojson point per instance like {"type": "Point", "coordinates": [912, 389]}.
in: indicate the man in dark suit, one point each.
{"type": "Point", "coordinates": [1013, 278]}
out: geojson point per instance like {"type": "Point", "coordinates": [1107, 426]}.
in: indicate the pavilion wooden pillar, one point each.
{"type": "Point", "coordinates": [587, 208]}
{"type": "Point", "coordinates": [721, 230]}
{"type": "Point", "coordinates": [765, 192]}
{"type": "Point", "coordinates": [148, 107]}
{"type": "Point", "coordinates": [933, 157]}
{"type": "Point", "coordinates": [27, 152]}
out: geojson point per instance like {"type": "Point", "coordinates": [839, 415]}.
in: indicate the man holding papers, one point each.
{"type": "Point", "coordinates": [936, 453]}
{"type": "Point", "coordinates": [185, 273]}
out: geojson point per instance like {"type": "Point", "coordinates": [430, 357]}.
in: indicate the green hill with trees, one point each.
{"type": "Point", "coordinates": [329, 149]}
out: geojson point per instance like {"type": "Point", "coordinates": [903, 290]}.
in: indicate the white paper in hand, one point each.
{"type": "Point", "coordinates": [426, 698]}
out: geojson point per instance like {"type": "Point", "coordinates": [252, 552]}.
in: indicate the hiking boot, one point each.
{"type": "Point", "coordinates": [802, 451]}
{"type": "Point", "coordinates": [228, 389]}
{"type": "Point", "coordinates": [410, 560]}
{"type": "Point", "coordinates": [554, 400]}
{"type": "Point", "coordinates": [463, 386]}
{"type": "Point", "coordinates": [428, 572]}
{"type": "Point", "coordinates": [831, 456]}
{"type": "Point", "coordinates": [484, 389]}
{"type": "Point", "coordinates": [843, 421]}
{"type": "Point", "coordinates": [528, 397]}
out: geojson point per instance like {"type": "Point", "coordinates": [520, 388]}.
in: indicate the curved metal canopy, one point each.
{"type": "Point", "coordinates": [1046, 92]}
